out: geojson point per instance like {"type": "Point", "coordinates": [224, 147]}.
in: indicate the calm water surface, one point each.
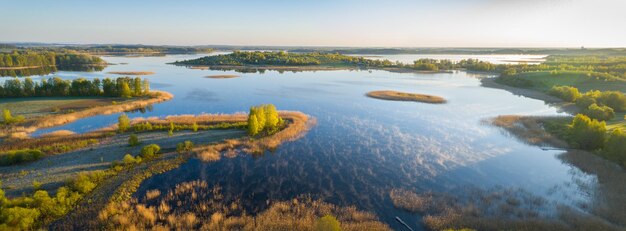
{"type": "Point", "coordinates": [361, 147]}
{"type": "Point", "coordinates": [495, 59]}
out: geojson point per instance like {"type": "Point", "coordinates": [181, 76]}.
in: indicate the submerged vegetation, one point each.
{"type": "Point", "coordinates": [498, 209]}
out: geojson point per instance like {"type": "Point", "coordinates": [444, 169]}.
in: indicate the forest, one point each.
{"type": "Point", "coordinates": [137, 49]}
{"type": "Point", "coordinates": [125, 87]}
{"type": "Point", "coordinates": [281, 58]}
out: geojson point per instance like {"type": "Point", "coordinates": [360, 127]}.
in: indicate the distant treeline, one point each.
{"type": "Point", "coordinates": [25, 63]}
{"type": "Point", "coordinates": [41, 59]}
{"type": "Point", "coordinates": [130, 49]}
{"type": "Point", "coordinates": [115, 49]}
{"type": "Point", "coordinates": [121, 87]}
{"type": "Point", "coordinates": [258, 58]}
{"type": "Point", "coordinates": [481, 51]}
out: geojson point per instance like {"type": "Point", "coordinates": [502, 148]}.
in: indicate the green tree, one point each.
{"type": "Point", "coordinates": [253, 124]}
{"type": "Point", "coordinates": [125, 90]}
{"type": "Point", "coordinates": [586, 133]}
{"type": "Point", "coordinates": [271, 118]}
{"type": "Point", "coordinates": [146, 87]}
{"type": "Point", "coordinates": [327, 223]}
{"type": "Point", "coordinates": [137, 87]}
{"type": "Point", "coordinates": [133, 140]}
{"type": "Point", "coordinates": [123, 123]}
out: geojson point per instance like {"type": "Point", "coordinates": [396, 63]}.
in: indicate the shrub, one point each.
{"type": "Point", "coordinates": [586, 133]}
{"type": "Point", "coordinates": [586, 100]}
{"type": "Point", "coordinates": [133, 140]}
{"type": "Point", "coordinates": [85, 182]}
{"type": "Point", "coordinates": [9, 119]}
{"type": "Point", "coordinates": [613, 99]}
{"type": "Point", "coordinates": [186, 146]}
{"type": "Point", "coordinates": [615, 147]}
{"type": "Point", "coordinates": [36, 185]}
{"type": "Point", "coordinates": [20, 156]}
{"type": "Point", "coordinates": [194, 127]}
{"type": "Point", "coordinates": [130, 160]}
{"type": "Point", "coordinates": [602, 113]}
{"type": "Point", "coordinates": [150, 151]}
{"type": "Point", "coordinates": [569, 94]}
{"type": "Point", "coordinates": [327, 223]}
{"type": "Point", "coordinates": [123, 123]}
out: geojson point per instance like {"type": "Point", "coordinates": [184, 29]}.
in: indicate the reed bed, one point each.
{"type": "Point", "coordinates": [196, 206]}
{"type": "Point", "coordinates": [529, 129]}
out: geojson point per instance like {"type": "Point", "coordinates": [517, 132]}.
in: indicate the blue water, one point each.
{"type": "Point", "coordinates": [361, 147]}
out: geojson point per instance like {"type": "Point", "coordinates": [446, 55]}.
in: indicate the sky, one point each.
{"type": "Point", "coordinates": [354, 23]}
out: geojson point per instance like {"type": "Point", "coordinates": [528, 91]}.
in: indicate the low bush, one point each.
{"type": "Point", "coordinates": [20, 156]}
{"type": "Point", "coordinates": [569, 94]}
{"type": "Point", "coordinates": [133, 140]}
{"type": "Point", "coordinates": [150, 151]}
{"type": "Point", "coordinates": [602, 113]}
{"type": "Point", "coordinates": [186, 146]}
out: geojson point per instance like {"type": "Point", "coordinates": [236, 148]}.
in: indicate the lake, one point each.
{"type": "Point", "coordinates": [361, 147]}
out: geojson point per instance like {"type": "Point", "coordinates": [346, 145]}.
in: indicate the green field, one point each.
{"type": "Point", "coordinates": [36, 107]}
{"type": "Point", "coordinates": [544, 80]}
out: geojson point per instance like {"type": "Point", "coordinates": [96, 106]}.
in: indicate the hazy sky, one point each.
{"type": "Point", "coordinates": [414, 23]}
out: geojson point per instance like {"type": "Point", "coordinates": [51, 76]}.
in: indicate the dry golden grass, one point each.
{"type": "Point", "coordinates": [402, 96]}
{"type": "Point", "coordinates": [196, 206]}
{"type": "Point", "coordinates": [222, 76]}
{"type": "Point", "coordinates": [56, 120]}
{"type": "Point", "coordinates": [528, 129]}
{"type": "Point", "coordinates": [131, 72]}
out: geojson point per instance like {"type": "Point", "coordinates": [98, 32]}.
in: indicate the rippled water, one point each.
{"type": "Point", "coordinates": [361, 147]}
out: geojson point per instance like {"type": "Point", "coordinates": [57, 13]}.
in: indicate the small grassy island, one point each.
{"type": "Point", "coordinates": [222, 76]}
{"type": "Point", "coordinates": [402, 96]}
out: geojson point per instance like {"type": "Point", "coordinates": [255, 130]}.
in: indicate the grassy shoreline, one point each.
{"type": "Point", "coordinates": [24, 129]}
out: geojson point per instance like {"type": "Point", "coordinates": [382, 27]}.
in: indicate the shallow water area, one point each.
{"type": "Point", "coordinates": [361, 147]}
